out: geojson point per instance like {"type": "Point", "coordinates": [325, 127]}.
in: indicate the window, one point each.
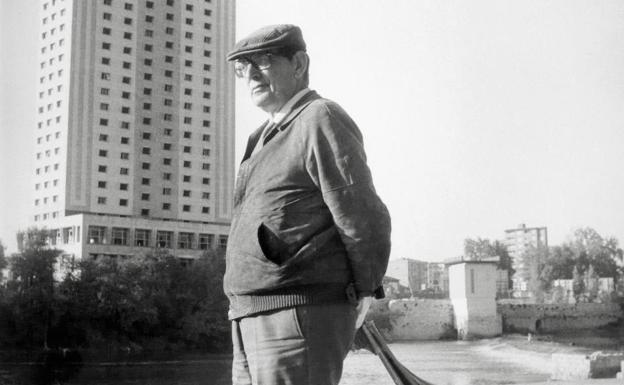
{"type": "Point", "coordinates": [206, 241]}
{"type": "Point", "coordinates": [149, 18]}
{"type": "Point", "coordinates": [223, 242]}
{"type": "Point", "coordinates": [101, 184]}
{"type": "Point", "coordinates": [127, 80]}
{"type": "Point", "coordinates": [146, 150]}
{"type": "Point", "coordinates": [168, 102]}
{"type": "Point", "coordinates": [205, 195]}
{"type": "Point", "coordinates": [145, 166]}
{"type": "Point", "coordinates": [147, 136]}
{"type": "Point", "coordinates": [126, 65]}
{"type": "Point", "coordinates": [149, 4]}
{"type": "Point", "coordinates": [125, 155]}
{"type": "Point", "coordinates": [120, 235]}
{"type": "Point", "coordinates": [106, 31]}
{"type": "Point", "coordinates": [169, 44]}
{"type": "Point", "coordinates": [206, 152]}
{"type": "Point", "coordinates": [205, 166]}
{"type": "Point", "coordinates": [149, 33]}
{"type": "Point", "coordinates": [104, 91]}
{"type": "Point", "coordinates": [123, 186]}
{"type": "Point", "coordinates": [123, 171]}
{"type": "Point", "coordinates": [169, 31]}
{"type": "Point", "coordinates": [187, 134]}
{"type": "Point", "coordinates": [106, 16]}
{"type": "Point", "coordinates": [206, 123]}
{"type": "Point", "coordinates": [127, 35]}
{"type": "Point", "coordinates": [147, 76]}
{"type": "Point", "coordinates": [167, 161]}
{"type": "Point", "coordinates": [125, 125]}
{"type": "Point", "coordinates": [145, 212]}
{"type": "Point", "coordinates": [145, 181]}
{"type": "Point", "coordinates": [168, 73]}
{"type": "Point", "coordinates": [186, 208]}
{"type": "Point", "coordinates": [206, 137]}
{"type": "Point", "coordinates": [188, 106]}
{"type": "Point", "coordinates": [187, 164]}
{"type": "Point", "coordinates": [189, 7]}
{"type": "Point", "coordinates": [169, 16]}
{"type": "Point", "coordinates": [105, 76]}
{"type": "Point", "coordinates": [205, 210]}
{"type": "Point", "coordinates": [101, 168]}
{"type": "Point", "coordinates": [125, 140]}
{"type": "Point", "coordinates": [127, 21]}
{"type": "Point", "coordinates": [128, 6]}
{"type": "Point", "coordinates": [166, 146]}
{"type": "Point", "coordinates": [164, 238]}
{"type": "Point", "coordinates": [185, 240]}
{"type": "Point", "coordinates": [125, 95]}
{"type": "Point", "coordinates": [145, 197]}
{"type": "Point", "coordinates": [101, 200]}
{"type": "Point", "coordinates": [142, 237]}
{"type": "Point", "coordinates": [205, 180]}
{"type": "Point", "coordinates": [186, 178]}
{"type": "Point", "coordinates": [97, 234]}
{"type": "Point", "coordinates": [125, 110]}
{"type": "Point", "coordinates": [147, 106]}
{"type": "Point", "coordinates": [147, 62]}
{"type": "Point", "coordinates": [188, 120]}
{"type": "Point", "coordinates": [167, 131]}
{"type": "Point", "coordinates": [148, 47]}
{"type": "Point", "coordinates": [166, 191]}
{"type": "Point", "coordinates": [103, 153]}
{"type": "Point", "coordinates": [123, 202]}
{"type": "Point", "coordinates": [166, 206]}
{"type": "Point", "coordinates": [127, 50]}
{"type": "Point", "coordinates": [103, 138]}
{"type": "Point", "coordinates": [188, 21]}
{"type": "Point", "coordinates": [167, 176]}
{"type": "Point", "coordinates": [106, 45]}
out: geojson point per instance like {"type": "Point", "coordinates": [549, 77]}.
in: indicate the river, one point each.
{"type": "Point", "coordinates": [483, 362]}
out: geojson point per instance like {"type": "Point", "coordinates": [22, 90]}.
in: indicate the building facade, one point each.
{"type": "Point", "coordinates": [522, 244]}
{"type": "Point", "coordinates": [134, 144]}
{"type": "Point", "coordinates": [419, 276]}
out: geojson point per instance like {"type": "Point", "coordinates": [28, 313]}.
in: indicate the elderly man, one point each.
{"type": "Point", "coordinates": [310, 238]}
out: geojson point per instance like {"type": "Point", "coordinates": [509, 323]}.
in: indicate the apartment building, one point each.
{"type": "Point", "coordinates": [134, 143]}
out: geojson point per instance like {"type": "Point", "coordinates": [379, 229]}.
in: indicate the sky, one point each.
{"type": "Point", "coordinates": [477, 116]}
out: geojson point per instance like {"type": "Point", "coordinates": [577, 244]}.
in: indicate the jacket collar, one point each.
{"type": "Point", "coordinates": [296, 110]}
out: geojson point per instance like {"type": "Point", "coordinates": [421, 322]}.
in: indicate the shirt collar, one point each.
{"type": "Point", "coordinates": [285, 110]}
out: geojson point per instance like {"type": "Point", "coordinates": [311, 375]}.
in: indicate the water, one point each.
{"type": "Point", "coordinates": [441, 362]}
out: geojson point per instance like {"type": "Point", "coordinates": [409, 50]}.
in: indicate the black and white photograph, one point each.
{"type": "Point", "coordinates": [311, 192]}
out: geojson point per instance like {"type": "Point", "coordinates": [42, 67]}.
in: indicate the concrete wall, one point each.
{"type": "Point", "coordinates": [414, 319]}
{"type": "Point", "coordinates": [555, 317]}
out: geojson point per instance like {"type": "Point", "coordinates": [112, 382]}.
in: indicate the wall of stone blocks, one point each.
{"type": "Point", "coordinates": [414, 319]}
{"type": "Point", "coordinates": [556, 317]}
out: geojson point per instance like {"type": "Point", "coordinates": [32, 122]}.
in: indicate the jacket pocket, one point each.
{"type": "Point", "coordinates": [272, 246]}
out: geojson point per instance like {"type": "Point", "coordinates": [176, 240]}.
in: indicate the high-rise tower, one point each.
{"type": "Point", "coordinates": [135, 131]}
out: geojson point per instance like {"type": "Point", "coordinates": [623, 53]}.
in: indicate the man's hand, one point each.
{"type": "Point", "coordinates": [362, 309]}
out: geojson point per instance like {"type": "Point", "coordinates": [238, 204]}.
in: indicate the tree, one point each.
{"type": "Point", "coordinates": [31, 291]}
{"type": "Point", "coordinates": [3, 261]}
{"type": "Point", "coordinates": [578, 284]}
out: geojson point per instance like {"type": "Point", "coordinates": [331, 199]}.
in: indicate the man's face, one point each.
{"type": "Point", "coordinates": [271, 87]}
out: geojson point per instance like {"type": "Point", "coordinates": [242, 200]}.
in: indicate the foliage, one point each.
{"type": "Point", "coordinates": [3, 261]}
{"type": "Point", "coordinates": [152, 301]}
{"type": "Point", "coordinates": [584, 257]}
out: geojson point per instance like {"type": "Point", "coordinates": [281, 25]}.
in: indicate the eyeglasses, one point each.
{"type": "Point", "coordinates": [259, 61]}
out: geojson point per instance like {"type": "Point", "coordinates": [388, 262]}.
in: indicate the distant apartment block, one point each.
{"type": "Point", "coordinates": [521, 242]}
{"type": "Point", "coordinates": [134, 141]}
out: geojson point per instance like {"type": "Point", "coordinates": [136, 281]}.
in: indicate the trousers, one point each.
{"type": "Point", "coordinates": [303, 345]}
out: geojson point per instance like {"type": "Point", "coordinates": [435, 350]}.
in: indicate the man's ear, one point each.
{"type": "Point", "coordinates": [301, 61]}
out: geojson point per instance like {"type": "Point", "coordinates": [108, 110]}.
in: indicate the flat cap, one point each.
{"type": "Point", "coordinates": [269, 38]}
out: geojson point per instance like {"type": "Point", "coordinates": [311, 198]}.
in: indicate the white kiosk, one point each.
{"type": "Point", "coordinates": [472, 289]}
